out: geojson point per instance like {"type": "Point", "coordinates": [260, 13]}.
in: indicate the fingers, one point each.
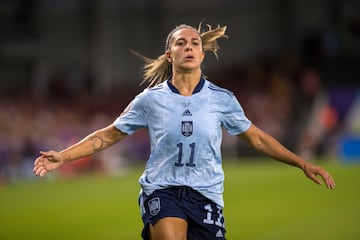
{"type": "Point", "coordinates": [314, 171]}
{"type": "Point", "coordinates": [326, 177]}
{"type": "Point", "coordinates": [41, 158]}
{"type": "Point", "coordinates": [38, 160]}
{"type": "Point", "coordinates": [39, 168]}
{"type": "Point", "coordinates": [315, 179]}
{"type": "Point", "coordinates": [329, 181]}
{"type": "Point", "coordinates": [46, 154]}
{"type": "Point", "coordinates": [40, 171]}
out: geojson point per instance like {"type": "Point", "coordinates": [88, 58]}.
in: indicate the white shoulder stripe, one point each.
{"type": "Point", "coordinates": [216, 88]}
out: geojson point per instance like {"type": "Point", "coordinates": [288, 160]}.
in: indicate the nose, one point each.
{"type": "Point", "coordinates": [188, 47]}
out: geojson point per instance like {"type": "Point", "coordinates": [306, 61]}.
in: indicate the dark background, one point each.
{"type": "Point", "coordinates": [66, 70]}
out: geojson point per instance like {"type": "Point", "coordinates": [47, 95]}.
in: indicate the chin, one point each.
{"type": "Point", "coordinates": [189, 66]}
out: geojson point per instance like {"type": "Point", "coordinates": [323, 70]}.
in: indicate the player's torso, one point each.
{"type": "Point", "coordinates": [181, 118]}
{"type": "Point", "coordinates": [185, 134]}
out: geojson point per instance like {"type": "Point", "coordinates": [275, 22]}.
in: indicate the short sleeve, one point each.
{"type": "Point", "coordinates": [234, 118]}
{"type": "Point", "coordinates": [133, 117]}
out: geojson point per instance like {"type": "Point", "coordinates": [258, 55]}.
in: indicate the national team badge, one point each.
{"type": "Point", "coordinates": [186, 128]}
{"type": "Point", "coordinates": [154, 206]}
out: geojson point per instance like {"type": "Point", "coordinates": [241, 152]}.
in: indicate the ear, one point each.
{"type": "Point", "coordinates": [168, 56]}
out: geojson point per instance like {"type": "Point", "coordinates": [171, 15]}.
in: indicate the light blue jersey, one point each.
{"type": "Point", "coordinates": [185, 135]}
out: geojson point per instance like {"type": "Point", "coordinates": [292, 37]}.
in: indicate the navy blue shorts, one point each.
{"type": "Point", "coordinates": [205, 219]}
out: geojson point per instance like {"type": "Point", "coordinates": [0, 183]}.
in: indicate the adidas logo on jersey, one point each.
{"type": "Point", "coordinates": [219, 234]}
{"type": "Point", "coordinates": [187, 113]}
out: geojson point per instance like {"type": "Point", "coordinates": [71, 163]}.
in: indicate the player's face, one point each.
{"type": "Point", "coordinates": [185, 50]}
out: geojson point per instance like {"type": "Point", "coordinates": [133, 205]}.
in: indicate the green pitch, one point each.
{"type": "Point", "coordinates": [263, 200]}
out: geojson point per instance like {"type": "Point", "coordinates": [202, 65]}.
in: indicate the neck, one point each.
{"type": "Point", "coordinates": [185, 83]}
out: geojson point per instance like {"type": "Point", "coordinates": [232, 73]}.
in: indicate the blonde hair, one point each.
{"type": "Point", "coordinates": [158, 70]}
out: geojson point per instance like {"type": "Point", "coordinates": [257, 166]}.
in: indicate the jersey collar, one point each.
{"type": "Point", "coordinates": [197, 89]}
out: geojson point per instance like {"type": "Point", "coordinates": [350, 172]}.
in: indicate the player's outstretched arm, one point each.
{"type": "Point", "coordinates": [93, 143]}
{"type": "Point", "coordinates": [268, 145]}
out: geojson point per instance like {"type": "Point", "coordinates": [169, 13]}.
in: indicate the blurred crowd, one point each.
{"type": "Point", "coordinates": [309, 98]}
{"type": "Point", "coordinates": [295, 104]}
{"type": "Point", "coordinates": [30, 123]}
{"type": "Point", "coordinates": [289, 100]}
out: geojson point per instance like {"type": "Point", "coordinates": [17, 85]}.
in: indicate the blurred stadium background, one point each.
{"type": "Point", "coordinates": [66, 70]}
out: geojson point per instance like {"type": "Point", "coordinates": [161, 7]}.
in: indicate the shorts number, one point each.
{"type": "Point", "coordinates": [209, 214]}
{"type": "Point", "coordinates": [190, 163]}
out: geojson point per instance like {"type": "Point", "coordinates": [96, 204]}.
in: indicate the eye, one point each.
{"type": "Point", "coordinates": [180, 43]}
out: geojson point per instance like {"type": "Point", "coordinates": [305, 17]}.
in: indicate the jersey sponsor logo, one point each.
{"type": "Point", "coordinates": [154, 206]}
{"type": "Point", "coordinates": [187, 113]}
{"type": "Point", "coordinates": [186, 128]}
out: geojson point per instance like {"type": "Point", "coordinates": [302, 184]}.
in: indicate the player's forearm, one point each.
{"type": "Point", "coordinates": [271, 147]}
{"type": "Point", "coordinates": [93, 143]}
{"type": "Point", "coordinates": [86, 147]}
{"type": "Point", "coordinates": [268, 145]}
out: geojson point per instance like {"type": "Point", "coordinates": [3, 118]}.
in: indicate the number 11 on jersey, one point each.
{"type": "Point", "coordinates": [190, 162]}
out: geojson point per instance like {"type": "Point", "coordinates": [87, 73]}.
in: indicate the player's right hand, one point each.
{"type": "Point", "coordinates": [46, 162]}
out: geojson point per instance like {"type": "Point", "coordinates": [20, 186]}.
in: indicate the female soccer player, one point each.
{"type": "Point", "coordinates": [182, 185]}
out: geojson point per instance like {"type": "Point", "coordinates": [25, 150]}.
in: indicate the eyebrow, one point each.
{"type": "Point", "coordinates": [183, 39]}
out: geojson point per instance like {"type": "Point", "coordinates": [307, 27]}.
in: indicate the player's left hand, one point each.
{"type": "Point", "coordinates": [313, 171]}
